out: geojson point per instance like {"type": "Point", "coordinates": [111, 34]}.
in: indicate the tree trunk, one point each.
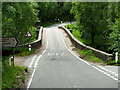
{"type": "Point", "coordinates": [92, 35]}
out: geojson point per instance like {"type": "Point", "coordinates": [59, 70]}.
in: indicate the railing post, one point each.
{"type": "Point", "coordinates": [116, 57]}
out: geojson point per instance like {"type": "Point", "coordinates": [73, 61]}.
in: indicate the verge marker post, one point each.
{"type": "Point", "coordinates": [116, 57]}
{"type": "Point", "coordinates": [29, 47]}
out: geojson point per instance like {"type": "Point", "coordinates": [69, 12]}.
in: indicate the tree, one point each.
{"type": "Point", "coordinates": [91, 17]}
{"type": "Point", "coordinates": [18, 17]}
{"type": "Point", "coordinates": [114, 36]}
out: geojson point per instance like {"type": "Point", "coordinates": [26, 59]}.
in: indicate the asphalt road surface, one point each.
{"type": "Point", "coordinates": [59, 68]}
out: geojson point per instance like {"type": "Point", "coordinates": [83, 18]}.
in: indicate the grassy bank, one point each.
{"type": "Point", "coordinates": [13, 77]}
{"type": "Point", "coordinates": [88, 55]}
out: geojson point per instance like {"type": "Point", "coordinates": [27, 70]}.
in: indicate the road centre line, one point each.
{"type": "Point", "coordinates": [32, 62]}
{"type": "Point", "coordinates": [35, 65]}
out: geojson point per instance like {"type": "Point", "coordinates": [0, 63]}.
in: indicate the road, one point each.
{"type": "Point", "coordinates": [59, 68]}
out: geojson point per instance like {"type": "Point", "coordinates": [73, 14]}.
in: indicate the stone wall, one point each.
{"type": "Point", "coordinates": [38, 42]}
{"type": "Point", "coordinates": [100, 54]}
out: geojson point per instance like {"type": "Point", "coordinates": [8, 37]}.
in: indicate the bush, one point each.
{"type": "Point", "coordinates": [88, 52]}
{"type": "Point", "coordinates": [111, 62]}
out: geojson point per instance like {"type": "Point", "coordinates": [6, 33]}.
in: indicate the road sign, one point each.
{"type": "Point", "coordinates": [9, 42]}
{"type": "Point", "coordinates": [28, 34]}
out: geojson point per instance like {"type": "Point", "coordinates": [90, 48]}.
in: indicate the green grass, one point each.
{"type": "Point", "coordinates": [11, 76]}
{"type": "Point", "coordinates": [88, 54]}
{"type": "Point", "coordinates": [95, 59]}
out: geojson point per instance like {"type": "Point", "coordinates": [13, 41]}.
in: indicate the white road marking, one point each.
{"type": "Point", "coordinates": [105, 73]}
{"type": "Point", "coordinates": [61, 54]}
{"type": "Point", "coordinates": [108, 71]}
{"type": "Point", "coordinates": [31, 79]}
{"type": "Point", "coordinates": [56, 53]}
{"type": "Point", "coordinates": [48, 54]}
{"type": "Point", "coordinates": [89, 64]}
{"type": "Point", "coordinates": [32, 61]}
{"type": "Point", "coordinates": [47, 45]}
{"type": "Point", "coordinates": [74, 54]}
{"type": "Point", "coordinates": [75, 86]}
{"type": "Point", "coordinates": [35, 65]}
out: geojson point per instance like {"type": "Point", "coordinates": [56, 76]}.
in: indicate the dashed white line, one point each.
{"type": "Point", "coordinates": [75, 86]}
{"type": "Point", "coordinates": [35, 65]}
{"type": "Point", "coordinates": [56, 53]}
{"type": "Point", "coordinates": [32, 61]}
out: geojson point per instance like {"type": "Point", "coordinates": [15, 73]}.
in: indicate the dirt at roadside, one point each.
{"type": "Point", "coordinates": [73, 49]}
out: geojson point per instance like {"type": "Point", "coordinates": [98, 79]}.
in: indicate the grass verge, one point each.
{"type": "Point", "coordinates": [88, 55]}
{"type": "Point", "coordinates": [13, 77]}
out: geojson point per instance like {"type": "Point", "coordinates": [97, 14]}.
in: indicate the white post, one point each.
{"type": "Point", "coordinates": [116, 56]}
{"type": "Point", "coordinates": [61, 21]}
{"type": "Point", "coordinates": [10, 61]}
{"type": "Point", "coordinates": [29, 47]}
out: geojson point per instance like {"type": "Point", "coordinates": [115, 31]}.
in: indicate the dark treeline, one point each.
{"type": "Point", "coordinates": [18, 17]}
{"type": "Point", "coordinates": [51, 10]}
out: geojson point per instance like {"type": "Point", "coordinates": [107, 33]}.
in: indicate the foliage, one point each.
{"type": "Point", "coordinates": [17, 18]}
{"type": "Point", "coordinates": [11, 75]}
{"type": "Point", "coordinates": [24, 51]}
{"type": "Point", "coordinates": [77, 34]}
{"type": "Point", "coordinates": [94, 20]}
{"type": "Point", "coordinates": [89, 55]}
{"type": "Point", "coordinates": [88, 52]}
{"type": "Point", "coordinates": [49, 11]}
{"type": "Point", "coordinates": [114, 36]}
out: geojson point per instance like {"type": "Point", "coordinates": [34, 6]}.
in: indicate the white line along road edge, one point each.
{"type": "Point", "coordinates": [35, 66]}
{"type": "Point", "coordinates": [88, 63]}
{"type": "Point", "coordinates": [32, 62]}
